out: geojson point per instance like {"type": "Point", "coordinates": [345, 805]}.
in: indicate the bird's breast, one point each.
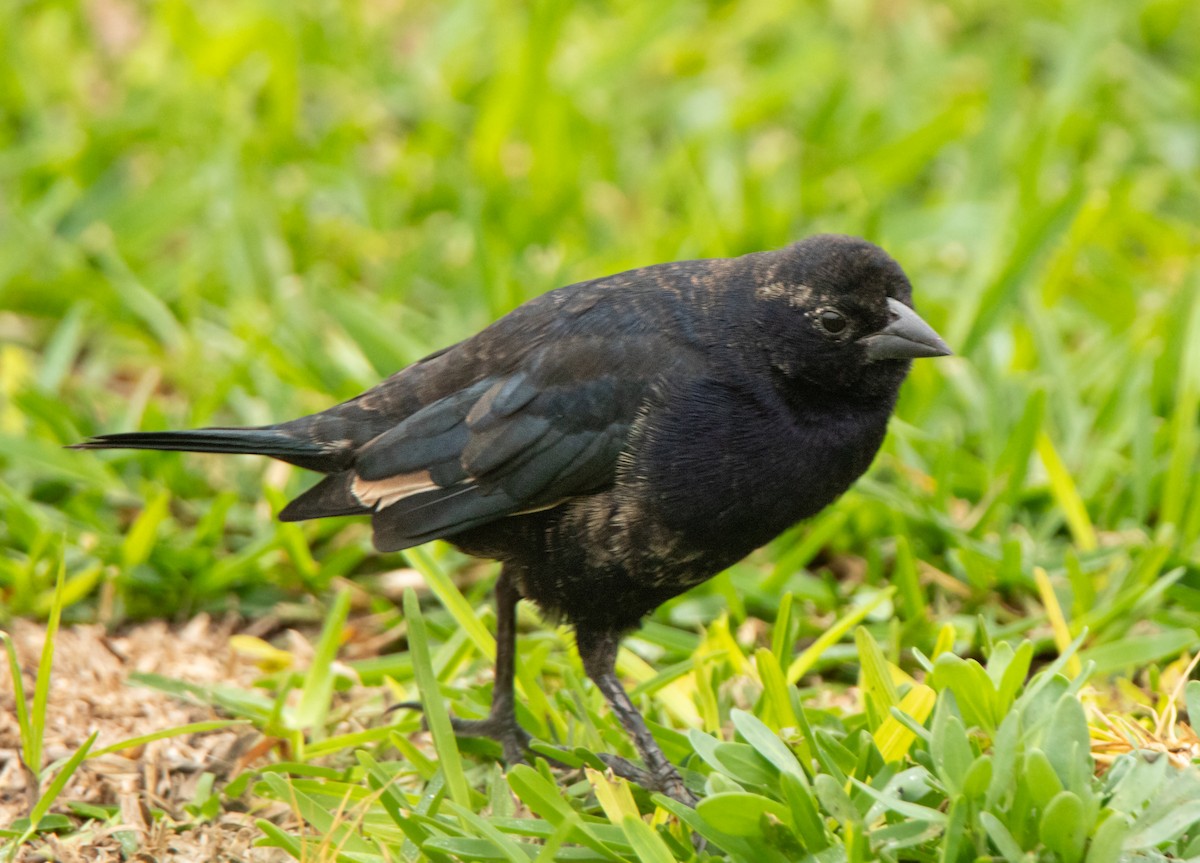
{"type": "Point", "coordinates": [704, 480]}
{"type": "Point", "coordinates": [724, 472]}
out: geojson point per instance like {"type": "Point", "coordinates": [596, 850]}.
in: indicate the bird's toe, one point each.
{"type": "Point", "coordinates": [513, 739]}
{"type": "Point", "coordinates": [667, 781]}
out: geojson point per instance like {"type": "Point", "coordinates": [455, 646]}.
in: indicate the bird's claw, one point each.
{"type": "Point", "coordinates": [513, 739]}
{"type": "Point", "coordinates": [666, 781]}
{"type": "Point", "coordinates": [669, 783]}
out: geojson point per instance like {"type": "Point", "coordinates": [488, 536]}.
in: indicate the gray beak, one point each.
{"type": "Point", "coordinates": [905, 338]}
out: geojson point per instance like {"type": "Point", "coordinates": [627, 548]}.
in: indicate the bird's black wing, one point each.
{"type": "Point", "coordinates": [549, 429]}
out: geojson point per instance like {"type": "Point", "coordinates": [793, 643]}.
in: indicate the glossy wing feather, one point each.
{"type": "Point", "coordinates": [549, 430]}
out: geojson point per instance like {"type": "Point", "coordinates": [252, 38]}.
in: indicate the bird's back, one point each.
{"type": "Point", "coordinates": [532, 411]}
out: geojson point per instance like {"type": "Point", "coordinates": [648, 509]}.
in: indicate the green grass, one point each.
{"type": "Point", "coordinates": [237, 214]}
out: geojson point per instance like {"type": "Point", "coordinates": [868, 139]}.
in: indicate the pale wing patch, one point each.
{"type": "Point", "coordinates": [380, 493]}
{"type": "Point", "coordinates": [542, 508]}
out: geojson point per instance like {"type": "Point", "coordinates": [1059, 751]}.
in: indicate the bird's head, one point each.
{"type": "Point", "coordinates": [835, 313]}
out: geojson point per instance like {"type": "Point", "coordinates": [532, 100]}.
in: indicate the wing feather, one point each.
{"type": "Point", "coordinates": [547, 430]}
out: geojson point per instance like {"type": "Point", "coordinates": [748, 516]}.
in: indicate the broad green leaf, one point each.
{"type": "Point", "coordinates": [806, 817]}
{"type": "Point", "coordinates": [836, 801]}
{"type": "Point", "coordinates": [1135, 651]}
{"type": "Point", "coordinates": [1012, 674]}
{"type": "Point", "coordinates": [1067, 740]}
{"type": "Point", "coordinates": [978, 778]}
{"type": "Point", "coordinates": [738, 761]}
{"type": "Point", "coordinates": [955, 837]}
{"type": "Point", "coordinates": [1147, 833]}
{"type": "Point", "coordinates": [973, 690]}
{"type": "Point", "coordinates": [901, 807]}
{"type": "Point", "coordinates": [1040, 777]}
{"type": "Point", "coordinates": [1006, 751]}
{"type": "Point", "coordinates": [949, 747]}
{"type": "Point", "coordinates": [546, 799]}
{"type": "Point", "coordinates": [741, 814]}
{"type": "Point", "coordinates": [1001, 838]}
{"type": "Point", "coordinates": [648, 846]}
{"type": "Point", "coordinates": [1191, 697]}
{"type": "Point", "coordinates": [736, 846]}
{"type": "Point", "coordinates": [765, 742]}
{"type": "Point", "coordinates": [1065, 827]}
{"type": "Point", "coordinates": [1107, 843]}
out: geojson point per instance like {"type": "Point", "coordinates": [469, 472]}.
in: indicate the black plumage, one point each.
{"type": "Point", "coordinates": [617, 441]}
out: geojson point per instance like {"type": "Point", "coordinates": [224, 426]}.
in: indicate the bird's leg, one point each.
{"type": "Point", "coordinates": [501, 722]}
{"type": "Point", "coordinates": [598, 650]}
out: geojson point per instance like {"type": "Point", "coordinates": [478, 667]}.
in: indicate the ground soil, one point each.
{"type": "Point", "coordinates": [151, 784]}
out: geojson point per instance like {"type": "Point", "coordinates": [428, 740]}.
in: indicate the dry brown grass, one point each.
{"type": "Point", "coordinates": [90, 692]}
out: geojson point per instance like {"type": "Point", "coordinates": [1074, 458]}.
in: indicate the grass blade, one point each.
{"type": "Point", "coordinates": [41, 687]}
{"type": "Point", "coordinates": [435, 707]}
{"type": "Point", "coordinates": [318, 681]}
{"type": "Point", "coordinates": [1063, 487]}
{"type": "Point", "coordinates": [452, 599]}
{"type": "Point", "coordinates": [835, 633]}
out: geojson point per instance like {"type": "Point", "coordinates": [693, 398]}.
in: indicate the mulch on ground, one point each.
{"type": "Point", "coordinates": [91, 692]}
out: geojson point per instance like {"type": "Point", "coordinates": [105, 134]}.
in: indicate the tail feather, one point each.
{"type": "Point", "coordinates": [268, 441]}
{"type": "Point", "coordinates": [331, 496]}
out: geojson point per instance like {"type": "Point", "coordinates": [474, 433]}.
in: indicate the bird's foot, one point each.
{"type": "Point", "coordinates": [665, 780]}
{"type": "Point", "coordinates": [505, 730]}
{"type": "Point", "coordinates": [513, 739]}
{"type": "Point", "coordinates": [668, 781]}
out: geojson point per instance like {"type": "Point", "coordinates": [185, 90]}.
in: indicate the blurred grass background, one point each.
{"type": "Point", "coordinates": [238, 212]}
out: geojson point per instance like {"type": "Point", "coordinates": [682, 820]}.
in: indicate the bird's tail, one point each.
{"type": "Point", "coordinates": [268, 440]}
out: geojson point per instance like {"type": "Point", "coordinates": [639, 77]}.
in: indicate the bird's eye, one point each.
{"type": "Point", "coordinates": [831, 321]}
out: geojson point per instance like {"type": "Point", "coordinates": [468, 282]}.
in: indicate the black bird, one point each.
{"type": "Point", "coordinates": [617, 441]}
